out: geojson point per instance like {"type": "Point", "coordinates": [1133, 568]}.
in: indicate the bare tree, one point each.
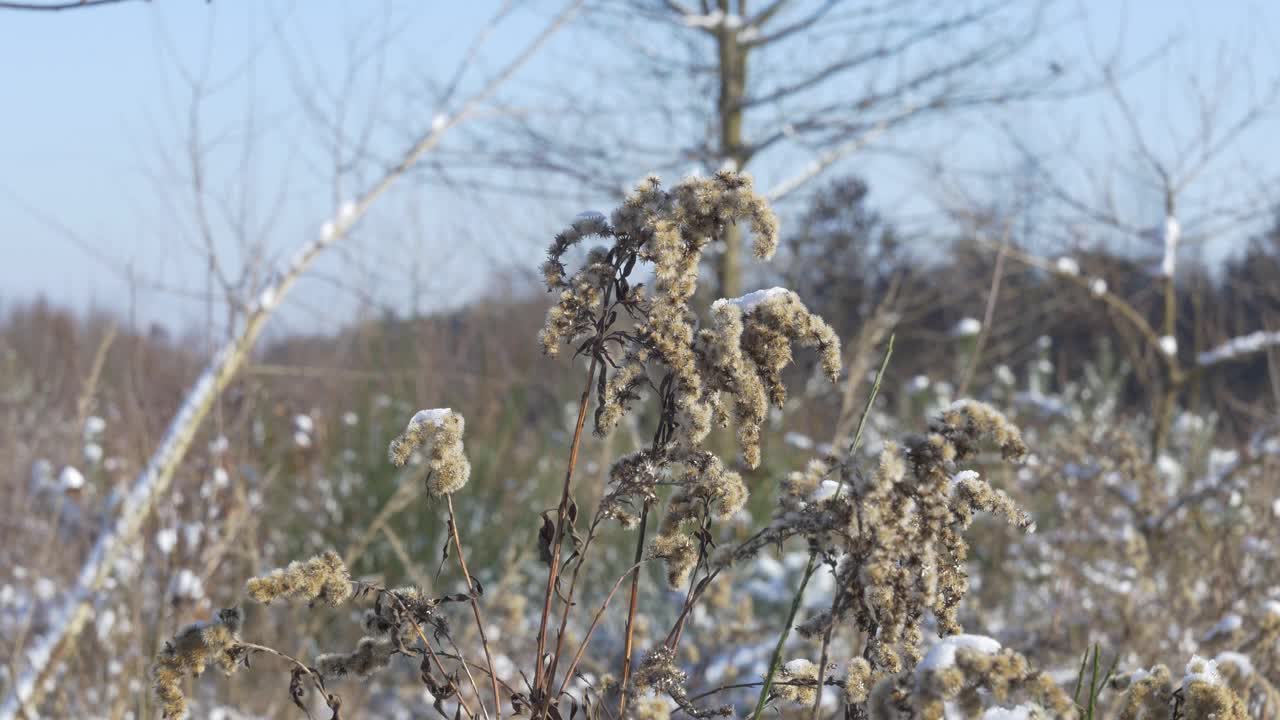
{"type": "Point", "coordinates": [788, 88]}
{"type": "Point", "coordinates": [1182, 167]}
{"type": "Point", "coordinates": [76, 608]}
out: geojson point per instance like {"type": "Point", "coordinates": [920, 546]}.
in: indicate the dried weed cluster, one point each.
{"type": "Point", "coordinates": [888, 541]}
{"type": "Point", "coordinates": [322, 579]}
{"type": "Point", "coordinates": [439, 432]}
{"type": "Point", "coordinates": [190, 652]}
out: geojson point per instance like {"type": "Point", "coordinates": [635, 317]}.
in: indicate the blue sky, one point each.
{"type": "Point", "coordinates": [93, 120]}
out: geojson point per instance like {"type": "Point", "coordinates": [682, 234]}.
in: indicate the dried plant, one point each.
{"type": "Point", "coordinates": [886, 538]}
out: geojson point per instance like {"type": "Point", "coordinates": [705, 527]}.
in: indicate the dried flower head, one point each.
{"type": "Point", "coordinates": [679, 553]}
{"type": "Point", "coordinates": [668, 230]}
{"type": "Point", "coordinates": [897, 530]}
{"type": "Point", "coordinates": [190, 651]}
{"type": "Point", "coordinates": [976, 677]}
{"type": "Point", "coordinates": [797, 681]}
{"type": "Point", "coordinates": [440, 431]}
{"type": "Point", "coordinates": [858, 681]}
{"type": "Point", "coordinates": [1202, 693]}
{"type": "Point", "coordinates": [371, 655]}
{"type": "Point", "coordinates": [323, 578]}
{"type": "Point", "coordinates": [748, 346]}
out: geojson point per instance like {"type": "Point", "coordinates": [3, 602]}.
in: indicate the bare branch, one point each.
{"type": "Point", "coordinates": [57, 6]}
{"type": "Point", "coordinates": [153, 482]}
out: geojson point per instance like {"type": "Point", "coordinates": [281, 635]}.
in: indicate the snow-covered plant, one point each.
{"type": "Point", "coordinates": [890, 539]}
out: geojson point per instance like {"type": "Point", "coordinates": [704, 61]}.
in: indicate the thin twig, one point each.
{"type": "Point", "coordinates": [568, 674]}
{"type": "Point", "coordinates": [561, 516]}
{"type": "Point", "coordinates": [153, 482]}
{"type": "Point", "coordinates": [988, 317]}
{"type": "Point", "coordinates": [475, 606]}
{"type": "Point", "coordinates": [853, 448]}
{"type": "Point", "coordinates": [629, 643]}
{"type": "Point", "coordinates": [782, 639]}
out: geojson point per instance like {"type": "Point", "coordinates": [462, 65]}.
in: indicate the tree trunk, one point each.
{"type": "Point", "coordinates": [733, 77]}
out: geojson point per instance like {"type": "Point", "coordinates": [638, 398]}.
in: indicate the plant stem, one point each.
{"type": "Point", "coordinates": [853, 448]}
{"type": "Point", "coordinates": [475, 608]}
{"type": "Point", "coordinates": [782, 639]}
{"type": "Point", "coordinates": [595, 621]}
{"type": "Point", "coordinates": [631, 614]}
{"type": "Point", "coordinates": [561, 515]}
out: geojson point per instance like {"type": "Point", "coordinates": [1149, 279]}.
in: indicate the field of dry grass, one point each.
{"type": "Point", "coordinates": [834, 533]}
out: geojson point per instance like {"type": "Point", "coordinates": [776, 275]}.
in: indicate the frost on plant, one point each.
{"type": "Point", "coordinates": [188, 654]}
{"type": "Point", "coordinates": [322, 579]}
{"type": "Point", "coordinates": [729, 370]}
{"type": "Point", "coordinates": [439, 432]}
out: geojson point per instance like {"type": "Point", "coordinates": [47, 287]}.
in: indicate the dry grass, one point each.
{"type": "Point", "coordinates": [701, 522]}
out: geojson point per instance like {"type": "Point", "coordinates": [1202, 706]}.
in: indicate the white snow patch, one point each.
{"type": "Point", "coordinates": [1172, 231]}
{"type": "Point", "coordinates": [1067, 265]}
{"type": "Point", "coordinates": [1243, 345]}
{"type": "Point", "coordinates": [943, 654]}
{"type": "Point", "coordinates": [186, 585]}
{"type": "Point", "coordinates": [1021, 712]}
{"type": "Point", "coordinates": [1227, 625]}
{"type": "Point", "coordinates": [219, 445]}
{"type": "Point", "coordinates": [799, 440]}
{"type": "Point", "coordinates": [1098, 286]}
{"type": "Point", "coordinates": [1005, 375]}
{"type": "Point", "coordinates": [1169, 345]}
{"type": "Point", "coordinates": [166, 540]}
{"type": "Point", "coordinates": [713, 20]}
{"type": "Point", "coordinates": [968, 327]}
{"type": "Point", "coordinates": [752, 300]}
{"type": "Point", "coordinates": [433, 416]}
{"type": "Point", "coordinates": [769, 567]}
{"type": "Point", "coordinates": [1240, 660]}
{"type": "Point", "coordinates": [1201, 670]}
{"type": "Point", "coordinates": [826, 490]}
{"type": "Point", "coordinates": [94, 425]}
{"type": "Point", "coordinates": [267, 298]}
{"type": "Point", "coordinates": [45, 589]}
{"type": "Point", "coordinates": [70, 479]}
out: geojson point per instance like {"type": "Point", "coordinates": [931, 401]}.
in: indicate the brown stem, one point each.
{"type": "Point", "coordinates": [315, 677]}
{"type": "Point", "coordinates": [988, 316]}
{"type": "Point", "coordinates": [822, 668]}
{"type": "Point", "coordinates": [594, 622]}
{"type": "Point", "coordinates": [568, 602]}
{"type": "Point", "coordinates": [561, 516]}
{"type": "Point", "coordinates": [440, 667]}
{"type": "Point", "coordinates": [432, 653]}
{"type": "Point", "coordinates": [475, 606]}
{"type": "Point", "coordinates": [631, 614]}
{"type": "Point", "coordinates": [826, 647]}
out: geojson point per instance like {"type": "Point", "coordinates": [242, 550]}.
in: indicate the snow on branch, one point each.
{"type": "Point", "coordinates": [713, 20]}
{"type": "Point", "coordinates": [68, 619]}
{"type": "Point", "coordinates": [1239, 347]}
{"type": "Point", "coordinates": [1172, 233]}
